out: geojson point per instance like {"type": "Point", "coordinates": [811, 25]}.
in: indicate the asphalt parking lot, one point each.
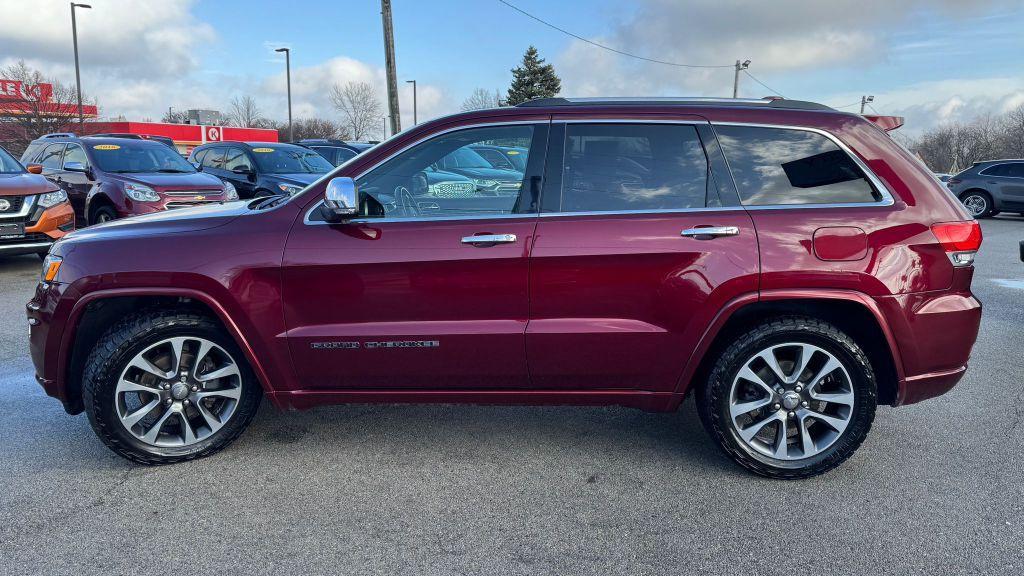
{"type": "Point", "coordinates": [937, 487]}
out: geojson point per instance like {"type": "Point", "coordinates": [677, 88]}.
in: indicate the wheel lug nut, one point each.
{"type": "Point", "coordinates": [185, 402]}
{"type": "Point", "coordinates": [776, 406]}
{"type": "Point", "coordinates": [195, 388]}
{"type": "Point", "coordinates": [799, 388]}
{"type": "Point", "coordinates": [169, 401]}
{"type": "Point", "coordinates": [792, 414]}
{"type": "Point", "coordinates": [804, 404]}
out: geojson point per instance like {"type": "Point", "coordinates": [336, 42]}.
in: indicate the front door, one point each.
{"type": "Point", "coordinates": [640, 242]}
{"type": "Point", "coordinates": [77, 184]}
{"type": "Point", "coordinates": [428, 287]}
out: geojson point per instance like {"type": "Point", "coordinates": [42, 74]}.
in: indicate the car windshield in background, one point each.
{"type": "Point", "coordinates": [466, 158]}
{"type": "Point", "coordinates": [130, 157]}
{"type": "Point", "coordinates": [8, 165]}
{"type": "Point", "coordinates": [290, 160]}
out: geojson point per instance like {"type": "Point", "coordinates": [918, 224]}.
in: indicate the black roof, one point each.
{"type": "Point", "coordinates": [673, 101]}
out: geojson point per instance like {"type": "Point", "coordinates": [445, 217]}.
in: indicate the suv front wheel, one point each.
{"type": "Point", "coordinates": [792, 398]}
{"type": "Point", "coordinates": [163, 386]}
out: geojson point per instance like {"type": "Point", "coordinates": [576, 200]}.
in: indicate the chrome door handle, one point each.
{"type": "Point", "coordinates": [489, 239]}
{"type": "Point", "coordinates": [712, 231]}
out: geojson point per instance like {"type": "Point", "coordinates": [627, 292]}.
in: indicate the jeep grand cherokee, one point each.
{"type": "Point", "coordinates": [788, 265]}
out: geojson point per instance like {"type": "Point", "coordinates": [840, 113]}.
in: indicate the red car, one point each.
{"type": "Point", "coordinates": [788, 265]}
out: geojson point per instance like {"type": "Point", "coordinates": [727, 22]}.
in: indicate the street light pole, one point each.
{"type": "Point", "coordinates": [288, 74]}
{"type": "Point", "coordinates": [413, 82]}
{"type": "Point", "coordinates": [736, 79]}
{"type": "Point", "coordinates": [78, 76]}
{"type": "Point", "coordinates": [864, 100]}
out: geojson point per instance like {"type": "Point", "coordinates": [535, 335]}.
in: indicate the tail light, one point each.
{"type": "Point", "coordinates": [960, 240]}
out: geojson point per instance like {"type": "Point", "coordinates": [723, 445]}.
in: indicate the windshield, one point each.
{"type": "Point", "coordinates": [130, 156]}
{"type": "Point", "coordinates": [290, 160]}
{"type": "Point", "coordinates": [8, 165]}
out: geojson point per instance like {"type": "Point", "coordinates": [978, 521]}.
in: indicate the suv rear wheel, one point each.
{"type": "Point", "coordinates": [792, 398]}
{"type": "Point", "coordinates": [162, 387]}
{"type": "Point", "coordinates": [978, 203]}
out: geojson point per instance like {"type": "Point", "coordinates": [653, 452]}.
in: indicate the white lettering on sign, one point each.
{"type": "Point", "coordinates": [213, 134]}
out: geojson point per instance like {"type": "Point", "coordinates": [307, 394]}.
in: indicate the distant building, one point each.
{"type": "Point", "coordinates": [205, 117]}
{"type": "Point", "coordinates": [185, 136]}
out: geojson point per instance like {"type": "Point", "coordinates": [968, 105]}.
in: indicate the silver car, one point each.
{"type": "Point", "coordinates": [990, 187]}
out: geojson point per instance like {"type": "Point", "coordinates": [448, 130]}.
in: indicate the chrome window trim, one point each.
{"type": "Point", "coordinates": [316, 206]}
{"type": "Point", "coordinates": [26, 207]}
{"type": "Point", "coordinates": [887, 198]}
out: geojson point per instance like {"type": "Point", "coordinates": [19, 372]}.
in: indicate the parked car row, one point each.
{"type": "Point", "coordinates": [34, 212]}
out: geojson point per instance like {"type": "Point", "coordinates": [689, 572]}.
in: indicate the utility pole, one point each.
{"type": "Point", "coordinates": [384, 123]}
{"type": "Point", "coordinates": [78, 76]}
{"type": "Point", "coordinates": [415, 121]}
{"type": "Point", "coordinates": [736, 79]}
{"type": "Point", "coordinates": [288, 75]}
{"type": "Point", "coordinates": [389, 61]}
{"type": "Point", "coordinates": [864, 100]}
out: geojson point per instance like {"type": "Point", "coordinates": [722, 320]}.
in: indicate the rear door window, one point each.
{"type": "Point", "coordinates": [1015, 170]}
{"type": "Point", "coordinates": [630, 167]}
{"type": "Point", "coordinates": [236, 158]}
{"type": "Point", "coordinates": [76, 153]}
{"type": "Point", "coordinates": [780, 166]}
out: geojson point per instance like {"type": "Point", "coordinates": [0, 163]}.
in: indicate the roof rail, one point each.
{"type": "Point", "coordinates": [59, 135]}
{"type": "Point", "coordinates": [770, 102]}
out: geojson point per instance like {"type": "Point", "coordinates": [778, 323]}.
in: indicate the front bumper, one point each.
{"type": "Point", "coordinates": [51, 225]}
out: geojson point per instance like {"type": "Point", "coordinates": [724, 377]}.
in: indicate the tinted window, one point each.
{"type": "Point", "coordinates": [1015, 170]}
{"type": "Point", "coordinates": [75, 153]}
{"type": "Point", "coordinates": [29, 157]}
{"type": "Point", "coordinates": [214, 158]}
{"type": "Point", "coordinates": [196, 157]}
{"type": "Point", "coordinates": [8, 165]}
{"type": "Point", "coordinates": [785, 166]}
{"type": "Point", "coordinates": [235, 158]}
{"type": "Point", "coordinates": [414, 185]}
{"type": "Point", "coordinates": [495, 158]}
{"type": "Point", "coordinates": [327, 153]}
{"type": "Point", "coordinates": [138, 156]}
{"type": "Point", "coordinates": [50, 158]}
{"type": "Point", "coordinates": [615, 167]}
{"type": "Point", "coordinates": [343, 155]}
{"type": "Point", "coordinates": [278, 159]}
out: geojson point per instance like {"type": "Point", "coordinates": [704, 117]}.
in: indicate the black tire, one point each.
{"type": "Point", "coordinates": [978, 198]}
{"type": "Point", "coordinates": [120, 344]}
{"type": "Point", "coordinates": [713, 395]}
{"type": "Point", "coordinates": [103, 214]}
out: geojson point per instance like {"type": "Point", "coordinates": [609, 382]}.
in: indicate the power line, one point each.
{"type": "Point", "coordinates": [769, 88]}
{"type": "Point", "coordinates": [609, 48]}
{"type": "Point", "coordinates": [875, 111]}
{"type": "Point", "coordinates": [847, 105]}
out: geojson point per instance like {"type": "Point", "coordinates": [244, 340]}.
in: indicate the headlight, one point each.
{"type": "Point", "coordinates": [485, 183]}
{"type": "Point", "coordinates": [141, 193]}
{"type": "Point", "coordinates": [51, 265]}
{"type": "Point", "coordinates": [229, 191]}
{"type": "Point", "coordinates": [51, 199]}
{"type": "Point", "coordinates": [289, 189]}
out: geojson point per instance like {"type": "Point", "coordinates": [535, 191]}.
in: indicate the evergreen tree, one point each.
{"type": "Point", "coordinates": [532, 79]}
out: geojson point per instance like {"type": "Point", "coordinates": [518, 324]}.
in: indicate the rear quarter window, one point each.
{"type": "Point", "coordinates": [780, 166]}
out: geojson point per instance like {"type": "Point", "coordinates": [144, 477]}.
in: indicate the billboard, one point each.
{"type": "Point", "coordinates": [18, 98]}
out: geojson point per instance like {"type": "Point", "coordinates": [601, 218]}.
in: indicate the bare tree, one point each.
{"type": "Point", "coordinates": [954, 146]}
{"type": "Point", "coordinates": [173, 116]}
{"type": "Point", "coordinates": [28, 113]}
{"type": "Point", "coordinates": [480, 99]}
{"type": "Point", "coordinates": [359, 107]}
{"type": "Point", "coordinates": [1013, 132]}
{"type": "Point", "coordinates": [316, 128]}
{"type": "Point", "coordinates": [244, 113]}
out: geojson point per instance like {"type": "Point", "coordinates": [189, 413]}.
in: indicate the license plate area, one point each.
{"type": "Point", "coordinates": [9, 231]}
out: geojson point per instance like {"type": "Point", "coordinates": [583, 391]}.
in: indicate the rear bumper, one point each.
{"type": "Point", "coordinates": [935, 332]}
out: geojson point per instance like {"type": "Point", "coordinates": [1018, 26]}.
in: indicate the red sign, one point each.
{"type": "Point", "coordinates": [18, 90]}
{"type": "Point", "coordinates": [212, 134]}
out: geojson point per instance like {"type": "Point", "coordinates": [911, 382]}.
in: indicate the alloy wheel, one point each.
{"type": "Point", "coordinates": [791, 401]}
{"type": "Point", "coordinates": [178, 392]}
{"type": "Point", "coordinates": [976, 204]}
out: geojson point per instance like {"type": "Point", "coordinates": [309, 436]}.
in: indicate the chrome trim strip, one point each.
{"type": "Point", "coordinates": [630, 212]}
{"type": "Point", "coordinates": [26, 207]}
{"type": "Point", "coordinates": [382, 220]}
{"type": "Point", "coordinates": [887, 198]}
{"type": "Point", "coordinates": [17, 247]}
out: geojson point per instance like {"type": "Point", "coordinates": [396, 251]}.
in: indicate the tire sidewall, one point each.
{"type": "Point", "coordinates": [103, 210]}
{"type": "Point", "coordinates": [100, 400]}
{"type": "Point", "coordinates": [862, 380]}
{"type": "Point", "coordinates": [984, 197]}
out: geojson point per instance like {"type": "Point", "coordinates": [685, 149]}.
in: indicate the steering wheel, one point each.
{"type": "Point", "coordinates": [405, 205]}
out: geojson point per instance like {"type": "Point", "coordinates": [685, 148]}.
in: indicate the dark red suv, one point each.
{"type": "Point", "coordinates": [789, 265]}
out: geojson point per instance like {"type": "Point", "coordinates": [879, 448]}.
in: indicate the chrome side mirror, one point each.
{"type": "Point", "coordinates": [341, 200]}
{"type": "Point", "coordinates": [74, 166]}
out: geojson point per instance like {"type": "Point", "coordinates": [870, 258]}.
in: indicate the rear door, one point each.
{"type": "Point", "coordinates": [1011, 186]}
{"type": "Point", "coordinates": [639, 244]}
{"type": "Point", "coordinates": [76, 184]}
{"type": "Point", "coordinates": [424, 290]}
{"type": "Point", "coordinates": [238, 169]}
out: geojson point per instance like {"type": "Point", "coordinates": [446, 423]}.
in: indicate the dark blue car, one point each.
{"type": "Point", "coordinates": [261, 168]}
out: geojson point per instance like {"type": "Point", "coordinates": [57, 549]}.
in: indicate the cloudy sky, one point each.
{"type": "Point", "coordinates": [931, 61]}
